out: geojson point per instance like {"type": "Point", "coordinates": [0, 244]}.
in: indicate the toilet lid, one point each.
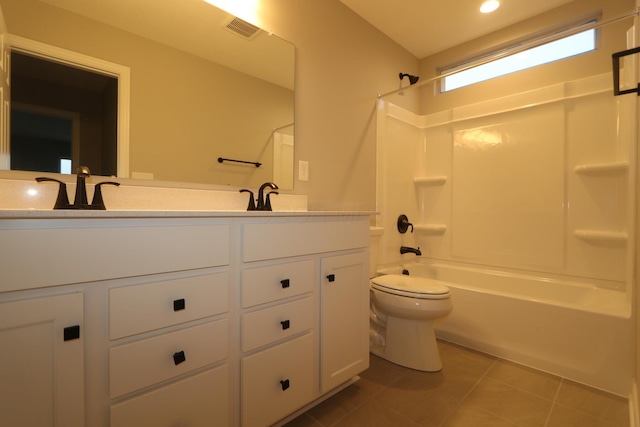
{"type": "Point", "coordinates": [416, 287]}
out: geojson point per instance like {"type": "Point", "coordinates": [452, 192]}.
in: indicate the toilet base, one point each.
{"type": "Point", "coordinates": [410, 343]}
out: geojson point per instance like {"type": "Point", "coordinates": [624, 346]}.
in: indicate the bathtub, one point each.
{"type": "Point", "coordinates": [577, 331]}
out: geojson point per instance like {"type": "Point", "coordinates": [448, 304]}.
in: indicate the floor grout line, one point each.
{"type": "Point", "coordinates": [553, 402]}
{"type": "Point", "coordinates": [469, 391]}
{"type": "Point", "coordinates": [365, 401]}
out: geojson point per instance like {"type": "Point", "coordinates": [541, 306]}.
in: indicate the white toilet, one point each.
{"type": "Point", "coordinates": [403, 309]}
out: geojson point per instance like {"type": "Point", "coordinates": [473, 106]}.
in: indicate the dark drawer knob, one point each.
{"type": "Point", "coordinates": [285, 283]}
{"type": "Point", "coordinates": [286, 324]}
{"type": "Point", "coordinates": [179, 304]}
{"type": "Point", "coordinates": [179, 357]}
{"type": "Point", "coordinates": [331, 277]}
{"type": "Point", "coordinates": [72, 333]}
{"type": "Point", "coordinates": [284, 384]}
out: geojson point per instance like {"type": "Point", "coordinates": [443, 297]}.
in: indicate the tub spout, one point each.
{"type": "Point", "coordinates": [407, 249]}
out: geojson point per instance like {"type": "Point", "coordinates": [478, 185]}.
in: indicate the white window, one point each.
{"type": "Point", "coordinates": [559, 49]}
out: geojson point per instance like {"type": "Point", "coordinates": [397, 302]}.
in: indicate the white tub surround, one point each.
{"type": "Point", "coordinates": [530, 192]}
{"type": "Point", "coordinates": [539, 181]}
{"type": "Point", "coordinates": [213, 318]}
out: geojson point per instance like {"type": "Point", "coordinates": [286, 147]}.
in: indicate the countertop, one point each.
{"type": "Point", "coordinates": [22, 199]}
{"type": "Point", "coordinates": [68, 214]}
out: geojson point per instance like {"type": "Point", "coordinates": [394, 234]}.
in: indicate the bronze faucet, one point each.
{"type": "Point", "coordinates": [80, 201]}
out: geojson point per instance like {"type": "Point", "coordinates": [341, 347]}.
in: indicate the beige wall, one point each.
{"type": "Point", "coordinates": [342, 64]}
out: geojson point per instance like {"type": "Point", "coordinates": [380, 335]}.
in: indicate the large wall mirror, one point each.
{"type": "Point", "coordinates": [202, 86]}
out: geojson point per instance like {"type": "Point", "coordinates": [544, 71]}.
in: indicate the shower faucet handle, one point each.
{"type": "Point", "coordinates": [404, 224]}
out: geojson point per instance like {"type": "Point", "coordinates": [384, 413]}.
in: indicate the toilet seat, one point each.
{"type": "Point", "coordinates": [408, 286]}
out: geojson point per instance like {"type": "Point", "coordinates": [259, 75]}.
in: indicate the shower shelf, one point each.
{"type": "Point", "coordinates": [376, 231]}
{"type": "Point", "coordinates": [602, 169]}
{"type": "Point", "coordinates": [601, 236]}
{"type": "Point", "coordinates": [431, 229]}
{"type": "Point", "coordinates": [430, 180]}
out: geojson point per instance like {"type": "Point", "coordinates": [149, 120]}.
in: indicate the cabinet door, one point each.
{"type": "Point", "coordinates": [344, 318]}
{"type": "Point", "coordinates": [42, 362]}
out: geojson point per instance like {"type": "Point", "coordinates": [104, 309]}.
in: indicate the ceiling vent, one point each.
{"type": "Point", "coordinates": [242, 28]}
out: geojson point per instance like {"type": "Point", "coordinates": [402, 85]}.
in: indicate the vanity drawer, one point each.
{"type": "Point", "coordinates": [265, 395]}
{"type": "Point", "coordinates": [81, 250]}
{"type": "Point", "coordinates": [280, 240]}
{"type": "Point", "coordinates": [202, 400]}
{"type": "Point", "coordinates": [275, 282]}
{"type": "Point", "coordinates": [143, 363]}
{"type": "Point", "coordinates": [275, 323]}
{"type": "Point", "coordinates": [141, 308]}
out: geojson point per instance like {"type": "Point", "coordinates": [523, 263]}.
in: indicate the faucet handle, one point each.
{"type": "Point", "coordinates": [97, 203]}
{"type": "Point", "coordinates": [252, 203]}
{"type": "Point", "coordinates": [62, 201]}
{"type": "Point", "coordinates": [267, 203]}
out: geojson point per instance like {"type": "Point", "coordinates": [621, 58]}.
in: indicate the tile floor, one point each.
{"type": "Point", "coordinates": [473, 389]}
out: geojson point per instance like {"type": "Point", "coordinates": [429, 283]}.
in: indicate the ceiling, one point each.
{"type": "Point", "coordinates": [425, 27]}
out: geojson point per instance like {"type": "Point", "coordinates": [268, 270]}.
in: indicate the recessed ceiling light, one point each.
{"type": "Point", "coordinates": [489, 6]}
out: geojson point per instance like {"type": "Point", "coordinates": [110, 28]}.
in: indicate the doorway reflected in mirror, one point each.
{"type": "Point", "coordinates": [59, 112]}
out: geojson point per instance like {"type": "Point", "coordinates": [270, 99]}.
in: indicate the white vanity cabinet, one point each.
{"type": "Point", "coordinates": [210, 319]}
{"type": "Point", "coordinates": [42, 361]}
{"type": "Point", "coordinates": [299, 337]}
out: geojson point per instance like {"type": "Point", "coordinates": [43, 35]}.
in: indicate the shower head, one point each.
{"type": "Point", "coordinates": [412, 79]}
